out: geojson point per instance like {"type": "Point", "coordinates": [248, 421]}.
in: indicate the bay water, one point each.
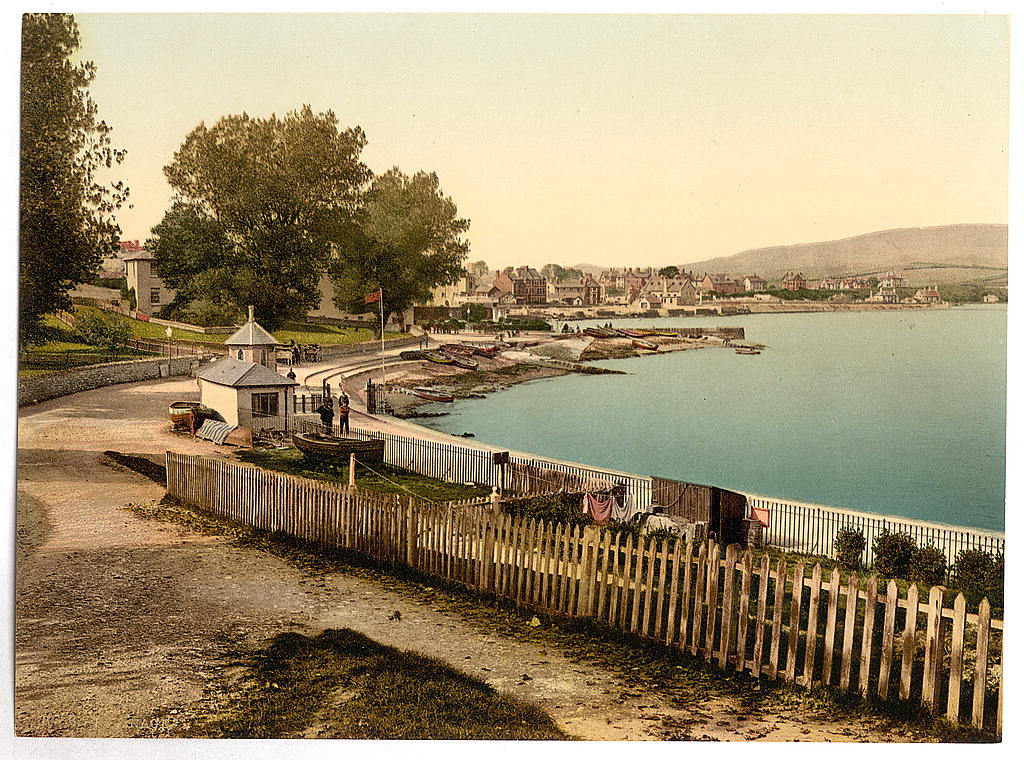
{"type": "Point", "coordinates": [893, 412]}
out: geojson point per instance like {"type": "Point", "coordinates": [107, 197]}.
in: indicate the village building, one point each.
{"type": "Point", "coordinates": [928, 295]}
{"type": "Point", "coordinates": [885, 295]}
{"type": "Point", "coordinates": [794, 281]}
{"type": "Point", "coordinates": [671, 291]}
{"type": "Point", "coordinates": [584, 291]}
{"type": "Point", "coordinates": [754, 284]}
{"type": "Point", "coordinates": [526, 284]}
{"type": "Point", "coordinates": [890, 280]}
{"type": "Point", "coordinates": [990, 298]}
{"type": "Point", "coordinates": [244, 386]}
{"type": "Point", "coordinates": [151, 293]}
{"type": "Point", "coordinates": [854, 283]}
{"type": "Point", "coordinates": [829, 283]}
{"type": "Point", "coordinates": [721, 283]}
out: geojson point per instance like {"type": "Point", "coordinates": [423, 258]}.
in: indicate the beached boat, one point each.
{"type": "Point", "coordinates": [464, 362]}
{"type": "Point", "coordinates": [600, 332]}
{"type": "Point", "coordinates": [431, 394]}
{"type": "Point", "coordinates": [631, 333]}
{"type": "Point", "coordinates": [457, 349]}
{"type": "Point", "coordinates": [329, 447]}
{"type": "Point", "coordinates": [645, 344]}
{"type": "Point", "coordinates": [488, 352]}
{"type": "Point", "coordinates": [190, 415]}
{"type": "Point", "coordinates": [747, 351]}
{"type": "Point", "coordinates": [438, 357]}
{"type": "Point", "coordinates": [412, 355]}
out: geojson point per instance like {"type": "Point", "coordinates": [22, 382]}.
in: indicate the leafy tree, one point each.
{"type": "Point", "coordinates": [406, 239]}
{"type": "Point", "coordinates": [477, 268]}
{"type": "Point", "coordinates": [557, 273]}
{"type": "Point", "coordinates": [66, 222]}
{"type": "Point", "coordinates": [274, 188]}
{"type": "Point", "coordinates": [894, 553]}
{"type": "Point", "coordinates": [104, 330]}
{"type": "Point", "coordinates": [849, 546]}
{"type": "Point", "coordinates": [669, 271]}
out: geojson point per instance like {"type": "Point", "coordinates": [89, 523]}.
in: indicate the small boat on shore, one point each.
{"type": "Point", "coordinates": [431, 394]}
{"type": "Point", "coordinates": [190, 415]}
{"type": "Point", "coordinates": [488, 352]}
{"type": "Point", "coordinates": [328, 447]}
{"type": "Point", "coordinates": [464, 362]}
{"type": "Point", "coordinates": [631, 333]}
{"type": "Point", "coordinates": [748, 351]}
{"type": "Point", "coordinates": [412, 355]}
{"type": "Point", "coordinates": [645, 344]}
{"type": "Point", "coordinates": [596, 332]}
{"type": "Point", "coordinates": [458, 349]}
{"type": "Point", "coordinates": [438, 357]}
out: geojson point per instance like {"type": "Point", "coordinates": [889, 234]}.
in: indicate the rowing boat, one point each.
{"type": "Point", "coordinates": [645, 344]}
{"type": "Point", "coordinates": [411, 355]}
{"type": "Point", "coordinates": [438, 357]}
{"type": "Point", "coordinates": [190, 415]}
{"type": "Point", "coordinates": [328, 447]}
{"type": "Point", "coordinates": [748, 351]}
{"type": "Point", "coordinates": [464, 362]}
{"type": "Point", "coordinates": [431, 394]}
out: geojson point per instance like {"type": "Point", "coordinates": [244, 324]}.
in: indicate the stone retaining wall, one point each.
{"type": "Point", "coordinates": [32, 390]}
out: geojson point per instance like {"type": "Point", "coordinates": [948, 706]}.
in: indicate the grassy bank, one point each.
{"type": "Point", "coordinates": [342, 684]}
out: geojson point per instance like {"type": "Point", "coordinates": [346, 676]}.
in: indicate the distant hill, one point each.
{"type": "Point", "coordinates": [974, 251]}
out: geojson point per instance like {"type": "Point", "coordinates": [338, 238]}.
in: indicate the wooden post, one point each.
{"type": "Point", "coordinates": [714, 564]}
{"type": "Point", "coordinates": [725, 647]}
{"type": "Point", "coordinates": [981, 664]}
{"type": "Point", "coordinates": [933, 648]}
{"type": "Point", "coordinates": [659, 613]}
{"type": "Point", "coordinates": [762, 611]}
{"type": "Point", "coordinates": [830, 628]}
{"type": "Point", "coordinates": [651, 553]}
{"type": "Point", "coordinates": [849, 623]}
{"type": "Point", "coordinates": [685, 617]}
{"type": "Point", "coordinates": [793, 639]}
{"type": "Point", "coordinates": [673, 599]}
{"type": "Point", "coordinates": [956, 659]}
{"type": "Point", "coordinates": [352, 470]}
{"type": "Point", "coordinates": [780, 591]}
{"type": "Point", "coordinates": [744, 613]}
{"type": "Point", "coordinates": [811, 646]}
{"type": "Point", "coordinates": [638, 569]}
{"type": "Point", "coordinates": [909, 641]}
{"type": "Point", "coordinates": [870, 601]}
{"type": "Point", "coordinates": [888, 640]}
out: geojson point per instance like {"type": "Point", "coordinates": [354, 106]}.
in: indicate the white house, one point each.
{"type": "Point", "coordinates": [247, 394]}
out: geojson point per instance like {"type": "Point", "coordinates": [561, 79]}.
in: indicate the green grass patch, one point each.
{"type": "Point", "coordinates": [62, 350]}
{"type": "Point", "coordinates": [342, 684]}
{"type": "Point", "coordinates": [380, 478]}
{"type": "Point", "coordinates": [329, 335]}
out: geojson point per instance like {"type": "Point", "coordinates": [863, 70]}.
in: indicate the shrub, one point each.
{"type": "Point", "coordinates": [207, 313]}
{"type": "Point", "coordinates": [979, 575]}
{"type": "Point", "coordinates": [564, 508]}
{"type": "Point", "coordinates": [104, 330]}
{"type": "Point", "coordinates": [128, 296]}
{"type": "Point", "coordinates": [928, 566]}
{"type": "Point", "coordinates": [849, 545]}
{"type": "Point", "coordinates": [894, 553]}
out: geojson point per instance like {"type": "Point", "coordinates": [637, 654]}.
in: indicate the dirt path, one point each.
{"type": "Point", "coordinates": [127, 626]}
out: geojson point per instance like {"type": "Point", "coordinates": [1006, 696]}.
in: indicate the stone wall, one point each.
{"type": "Point", "coordinates": [32, 390]}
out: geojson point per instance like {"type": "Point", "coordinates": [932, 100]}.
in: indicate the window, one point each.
{"type": "Point", "coordinates": [154, 295]}
{"type": "Point", "coordinates": [264, 404]}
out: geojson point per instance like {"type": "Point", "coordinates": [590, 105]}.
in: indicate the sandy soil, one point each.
{"type": "Point", "coordinates": [128, 627]}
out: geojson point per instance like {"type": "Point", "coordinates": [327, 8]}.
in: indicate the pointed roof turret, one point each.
{"type": "Point", "coordinates": [251, 334]}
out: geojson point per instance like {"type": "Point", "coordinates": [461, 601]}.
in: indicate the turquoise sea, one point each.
{"type": "Point", "coordinates": [896, 412]}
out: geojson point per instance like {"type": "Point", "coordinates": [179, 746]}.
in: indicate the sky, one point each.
{"type": "Point", "coordinates": [604, 139]}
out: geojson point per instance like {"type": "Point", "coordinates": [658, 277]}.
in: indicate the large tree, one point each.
{"type": "Point", "coordinates": [407, 238]}
{"type": "Point", "coordinates": [558, 273]}
{"type": "Point", "coordinates": [274, 187]}
{"type": "Point", "coordinates": [66, 222]}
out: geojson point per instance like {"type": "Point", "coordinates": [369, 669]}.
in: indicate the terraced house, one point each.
{"type": "Point", "coordinates": [526, 284]}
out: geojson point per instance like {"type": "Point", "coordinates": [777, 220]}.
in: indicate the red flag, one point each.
{"type": "Point", "coordinates": [373, 297]}
{"type": "Point", "coordinates": [763, 515]}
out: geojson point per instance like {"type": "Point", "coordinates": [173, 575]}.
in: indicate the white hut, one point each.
{"type": "Point", "coordinates": [254, 344]}
{"type": "Point", "coordinates": [247, 394]}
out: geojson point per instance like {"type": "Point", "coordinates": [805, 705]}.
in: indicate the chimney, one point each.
{"type": "Point", "coordinates": [252, 318]}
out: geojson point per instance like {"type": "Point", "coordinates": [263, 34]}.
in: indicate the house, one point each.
{"type": "Point", "coordinates": [890, 280]}
{"type": "Point", "coordinates": [885, 295]}
{"type": "Point", "coordinates": [671, 291]}
{"type": "Point", "coordinates": [829, 283]}
{"type": "Point", "coordinates": [585, 290]}
{"type": "Point", "coordinates": [151, 293]}
{"type": "Point", "coordinates": [990, 298]}
{"type": "Point", "coordinates": [721, 283]}
{"type": "Point", "coordinates": [854, 283]}
{"type": "Point", "coordinates": [244, 386]}
{"type": "Point", "coordinates": [928, 295]}
{"type": "Point", "coordinates": [525, 283]}
{"type": "Point", "coordinates": [754, 284]}
{"type": "Point", "coordinates": [794, 281]}
{"type": "Point", "coordinates": [649, 302]}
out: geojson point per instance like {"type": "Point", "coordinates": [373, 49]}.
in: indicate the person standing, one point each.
{"type": "Point", "coordinates": [343, 412]}
{"type": "Point", "coordinates": [326, 412]}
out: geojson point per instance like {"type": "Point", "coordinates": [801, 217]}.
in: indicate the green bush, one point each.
{"type": "Point", "coordinates": [128, 295]}
{"type": "Point", "coordinates": [893, 554]}
{"type": "Point", "coordinates": [207, 313]}
{"type": "Point", "coordinates": [104, 330]}
{"type": "Point", "coordinates": [849, 546]}
{"type": "Point", "coordinates": [928, 566]}
{"type": "Point", "coordinates": [979, 574]}
{"type": "Point", "coordinates": [563, 508]}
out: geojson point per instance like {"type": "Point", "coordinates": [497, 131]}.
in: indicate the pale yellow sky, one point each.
{"type": "Point", "coordinates": [602, 139]}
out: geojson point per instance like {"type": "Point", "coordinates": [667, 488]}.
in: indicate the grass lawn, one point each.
{"type": "Point", "coordinates": [300, 332]}
{"type": "Point", "coordinates": [381, 477]}
{"type": "Point", "coordinates": [63, 350]}
{"type": "Point", "coordinates": [342, 684]}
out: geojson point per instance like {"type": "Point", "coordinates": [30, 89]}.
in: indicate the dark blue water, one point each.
{"type": "Point", "coordinates": [898, 412]}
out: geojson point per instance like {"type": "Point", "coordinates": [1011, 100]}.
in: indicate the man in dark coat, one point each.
{"type": "Point", "coordinates": [326, 412]}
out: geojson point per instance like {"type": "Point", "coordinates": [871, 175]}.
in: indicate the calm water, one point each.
{"type": "Point", "coordinates": [896, 412]}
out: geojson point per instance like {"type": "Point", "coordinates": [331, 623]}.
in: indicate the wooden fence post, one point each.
{"type": "Point", "coordinates": [673, 598]}
{"type": "Point", "coordinates": [956, 659]}
{"type": "Point", "coordinates": [762, 611]}
{"type": "Point", "coordinates": [811, 645]}
{"type": "Point", "coordinates": [933, 648]}
{"type": "Point", "coordinates": [849, 623]}
{"type": "Point", "coordinates": [909, 642]}
{"type": "Point", "coordinates": [659, 613]}
{"type": "Point", "coordinates": [714, 565]}
{"type": "Point", "coordinates": [725, 647]}
{"type": "Point", "coordinates": [698, 597]}
{"type": "Point", "coordinates": [981, 664]}
{"type": "Point", "coordinates": [796, 598]}
{"type": "Point", "coordinates": [888, 640]}
{"type": "Point", "coordinates": [780, 591]}
{"type": "Point", "coordinates": [867, 639]}
{"type": "Point", "coordinates": [744, 613]}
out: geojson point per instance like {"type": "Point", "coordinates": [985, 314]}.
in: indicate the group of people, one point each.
{"type": "Point", "coordinates": [326, 412]}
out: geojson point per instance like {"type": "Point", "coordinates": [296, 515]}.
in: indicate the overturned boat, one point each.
{"type": "Point", "coordinates": [328, 447]}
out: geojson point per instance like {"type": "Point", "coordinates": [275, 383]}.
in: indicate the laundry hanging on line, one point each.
{"type": "Point", "coordinates": [601, 509]}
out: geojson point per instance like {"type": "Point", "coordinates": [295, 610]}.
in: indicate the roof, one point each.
{"type": "Point", "coordinates": [251, 334]}
{"type": "Point", "coordinates": [237, 373]}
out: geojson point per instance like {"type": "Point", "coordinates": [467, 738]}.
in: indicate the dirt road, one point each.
{"type": "Point", "coordinates": [127, 626]}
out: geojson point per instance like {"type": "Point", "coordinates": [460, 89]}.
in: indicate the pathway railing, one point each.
{"type": "Point", "coordinates": [737, 609]}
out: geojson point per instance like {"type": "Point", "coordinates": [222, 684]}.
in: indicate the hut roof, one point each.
{"type": "Point", "coordinates": [237, 373]}
{"type": "Point", "coordinates": [251, 334]}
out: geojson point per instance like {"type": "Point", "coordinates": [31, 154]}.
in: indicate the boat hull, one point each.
{"type": "Point", "coordinates": [645, 345]}
{"type": "Point", "coordinates": [322, 447]}
{"type": "Point", "coordinates": [431, 395]}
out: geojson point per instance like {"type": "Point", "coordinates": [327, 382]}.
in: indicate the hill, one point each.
{"type": "Point", "coordinates": [973, 251]}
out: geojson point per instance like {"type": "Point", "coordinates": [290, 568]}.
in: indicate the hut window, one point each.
{"type": "Point", "coordinates": [240, 354]}
{"type": "Point", "coordinates": [264, 404]}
